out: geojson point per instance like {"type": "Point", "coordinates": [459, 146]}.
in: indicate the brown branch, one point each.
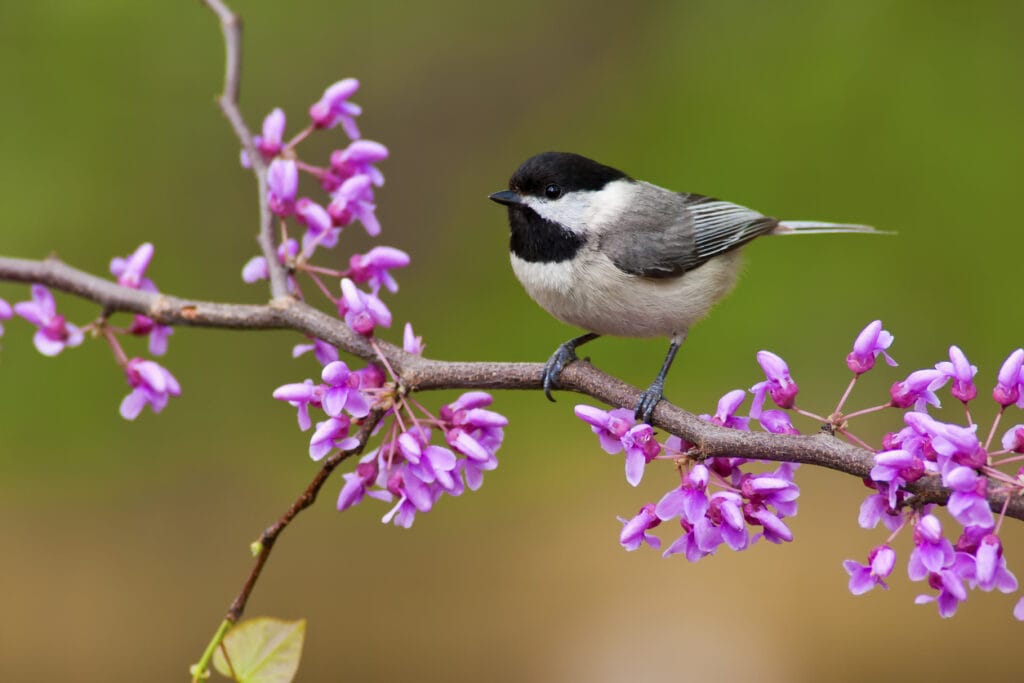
{"type": "Point", "coordinates": [231, 27]}
{"type": "Point", "coordinates": [422, 374]}
{"type": "Point", "coordinates": [307, 498]}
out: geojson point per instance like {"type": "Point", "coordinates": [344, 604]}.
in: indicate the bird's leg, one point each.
{"type": "Point", "coordinates": [650, 398]}
{"type": "Point", "coordinates": [565, 354]}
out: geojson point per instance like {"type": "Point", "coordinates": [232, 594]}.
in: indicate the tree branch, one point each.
{"type": "Point", "coordinates": [231, 27]}
{"type": "Point", "coordinates": [423, 374]}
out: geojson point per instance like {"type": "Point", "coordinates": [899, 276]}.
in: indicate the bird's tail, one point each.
{"type": "Point", "coordinates": [817, 228]}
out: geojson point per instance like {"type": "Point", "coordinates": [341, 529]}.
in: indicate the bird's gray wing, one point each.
{"type": "Point", "coordinates": [680, 232]}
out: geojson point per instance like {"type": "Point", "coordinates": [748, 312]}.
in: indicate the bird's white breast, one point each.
{"type": "Point", "coordinates": [592, 293]}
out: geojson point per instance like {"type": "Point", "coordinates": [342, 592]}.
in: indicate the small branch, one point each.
{"type": "Point", "coordinates": [423, 374]}
{"type": "Point", "coordinates": [307, 498]}
{"type": "Point", "coordinates": [270, 534]}
{"type": "Point", "coordinates": [231, 27]}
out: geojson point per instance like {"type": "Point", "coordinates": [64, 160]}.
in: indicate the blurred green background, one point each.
{"type": "Point", "coordinates": [123, 543]}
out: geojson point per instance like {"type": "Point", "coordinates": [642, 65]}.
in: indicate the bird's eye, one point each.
{"type": "Point", "coordinates": [553, 191]}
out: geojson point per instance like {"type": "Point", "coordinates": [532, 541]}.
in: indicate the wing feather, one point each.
{"type": "Point", "coordinates": [680, 232]}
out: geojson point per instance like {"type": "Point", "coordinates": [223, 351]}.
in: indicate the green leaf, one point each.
{"type": "Point", "coordinates": [262, 650]}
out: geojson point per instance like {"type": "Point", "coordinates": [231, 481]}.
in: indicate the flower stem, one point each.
{"type": "Point", "coordinates": [200, 669]}
{"type": "Point", "coordinates": [846, 394]}
{"type": "Point", "coordinates": [995, 425]}
{"type": "Point", "coordinates": [865, 411]}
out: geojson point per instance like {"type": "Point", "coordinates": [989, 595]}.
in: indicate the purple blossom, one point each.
{"type": "Point", "coordinates": [6, 313]}
{"type": "Point", "coordinates": [131, 270]}
{"type": "Point", "coordinates": [256, 269]}
{"type": "Point", "coordinates": [725, 415]}
{"type": "Point", "coordinates": [876, 508]}
{"type": "Point", "coordinates": [1013, 439]}
{"type": "Point", "coordinates": [918, 389]}
{"type": "Point", "coordinates": [359, 159]}
{"type": "Point", "coordinates": [774, 529]}
{"type": "Point", "coordinates": [634, 531]}
{"type": "Point", "coordinates": [1009, 381]}
{"type": "Point", "coordinates": [362, 311]}
{"type": "Point", "coordinates": [769, 489]}
{"type": "Point", "coordinates": [373, 267]}
{"type": "Point", "coordinates": [932, 551]}
{"type": "Point", "coordinates": [320, 230]}
{"type": "Point", "coordinates": [269, 144]}
{"type": "Point", "coordinates": [333, 108]}
{"type": "Point", "coordinates": [872, 340]}
{"type": "Point", "coordinates": [301, 396]}
{"type": "Point", "coordinates": [896, 468]}
{"type": "Point", "coordinates": [435, 464]}
{"type": "Point", "coordinates": [609, 425]}
{"type": "Point", "coordinates": [410, 342]}
{"type": "Point", "coordinates": [779, 385]}
{"type": "Point", "coordinates": [777, 422]}
{"type": "Point", "coordinates": [322, 351]}
{"type": "Point", "coordinates": [968, 503]}
{"type": "Point", "coordinates": [151, 384]}
{"type": "Point", "coordinates": [725, 511]}
{"type": "Point", "coordinates": [282, 186]}
{"type": "Point", "coordinates": [641, 448]}
{"type": "Point", "coordinates": [951, 442]}
{"type": "Point", "coordinates": [342, 391]}
{"type": "Point", "coordinates": [864, 577]}
{"type": "Point", "coordinates": [689, 501]}
{"type": "Point", "coordinates": [54, 333]}
{"type": "Point", "coordinates": [142, 326]}
{"type": "Point", "coordinates": [354, 200]}
{"type": "Point", "coordinates": [698, 540]}
{"type": "Point", "coordinates": [330, 434]}
{"type": "Point", "coordinates": [950, 584]}
{"type": "Point", "coordinates": [1018, 610]}
{"type": "Point", "coordinates": [475, 432]}
{"type": "Point", "coordinates": [959, 369]}
{"type": "Point", "coordinates": [357, 483]}
{"type": "Point", "coordinates": [990, 567]}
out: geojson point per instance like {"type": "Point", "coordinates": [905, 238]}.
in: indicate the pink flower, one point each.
{"type": "Point", "coordinates": [359, 159]}
{"type": "Point", "coordinates": [779, 385]}
{"type": "Point", "coordinates": [362, 311]}
{"type": "Point", "coordinates": [872, 340]}
{"type": "Point", "coordinates": [151, 385]}
{"type": "Point", "coordinates": [334, 108]}
{"type": "Point", "coordinates": [282, 186]}
{"type": "Point", "coordinates": [54, 333]}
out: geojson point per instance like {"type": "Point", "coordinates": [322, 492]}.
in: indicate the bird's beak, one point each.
{"type": "Point", "coordinates": [506, 197]}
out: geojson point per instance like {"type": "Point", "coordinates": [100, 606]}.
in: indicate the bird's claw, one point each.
{"type": "Point", "coordinates": [565, 354]}
{"type": "Point", "coordinates": [649, 400]}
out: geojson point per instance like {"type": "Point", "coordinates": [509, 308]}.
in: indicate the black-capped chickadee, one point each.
{"type": "Point", "coordinates": [617, 256]}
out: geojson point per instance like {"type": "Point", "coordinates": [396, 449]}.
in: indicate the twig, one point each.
{"type": "Point", "coordinates": [422, 374]}
{"type": "Point", "coordinates": [231, 27]}
{"type": "Point", "coordinates": [263, 547]}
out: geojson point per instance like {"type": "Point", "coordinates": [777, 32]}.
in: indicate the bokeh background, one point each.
{"type": "Point", "coordinates": [121, 544]}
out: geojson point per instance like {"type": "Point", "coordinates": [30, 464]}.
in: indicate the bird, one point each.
{"type": "Point", "coordinates": [613, 255]}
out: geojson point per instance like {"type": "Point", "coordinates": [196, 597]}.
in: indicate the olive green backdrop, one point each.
{"type": "Point", "coordinates": [121, 544]}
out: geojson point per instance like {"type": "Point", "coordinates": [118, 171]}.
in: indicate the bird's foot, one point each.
{"type": "Point", "coordinates": [565, 354]}
{"type": "Point", "coordinates": [649, 399]}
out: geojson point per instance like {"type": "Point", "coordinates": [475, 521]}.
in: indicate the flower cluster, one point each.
{"type": "Point", "coordinates": [151, 384]}
{"type": "Point", "coordinates": [717, 502]}
{"type": "Point", "coordinates": [423, 457]}
{"type": "Point", "coordinates": [349, 179]}
{"type": "Point", "coordinates": [967, 467]}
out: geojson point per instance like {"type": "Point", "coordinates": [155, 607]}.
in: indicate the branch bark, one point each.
{"type": "Point", "coordinates": [424, 374]}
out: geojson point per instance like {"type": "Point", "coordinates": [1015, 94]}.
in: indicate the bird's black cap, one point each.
{"type": "Point", "coordinates": [569, 171]}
